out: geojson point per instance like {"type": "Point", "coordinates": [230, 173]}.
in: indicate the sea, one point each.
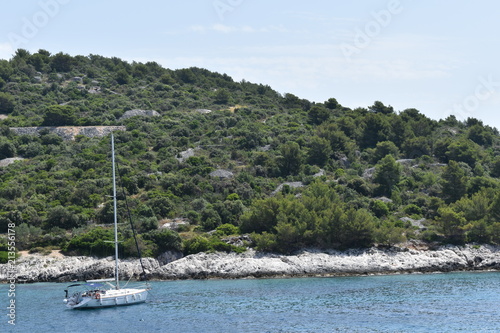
{"type": "Point", "coordinates": [446, 302]}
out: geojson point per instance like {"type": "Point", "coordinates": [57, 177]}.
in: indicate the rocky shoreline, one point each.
{"type": "Point", "coordinates": [252, 264]}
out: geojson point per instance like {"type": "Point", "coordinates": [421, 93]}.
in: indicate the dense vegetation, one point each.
{"type": "Point", "coordinates": [351, 178]}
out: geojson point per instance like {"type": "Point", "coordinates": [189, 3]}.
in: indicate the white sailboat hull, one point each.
{"type": "Point", "coordinates": [110, 298]}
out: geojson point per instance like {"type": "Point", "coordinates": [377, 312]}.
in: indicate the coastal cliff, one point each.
{"type": "Point", "coordinates": [252, 264]}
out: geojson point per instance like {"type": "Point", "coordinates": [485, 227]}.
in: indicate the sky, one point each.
{"type": "Point", "coordinates": [440, 57]}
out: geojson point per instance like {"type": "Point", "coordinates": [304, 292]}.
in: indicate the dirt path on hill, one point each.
{"type": "Point", "coordinates": [53, 254]}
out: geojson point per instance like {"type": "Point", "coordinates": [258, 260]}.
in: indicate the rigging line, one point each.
{"type": "Point", "coordinates": [143, 275]}
{"type": "Point", "coordinates": [153, 296]}
{"type": "Point", "coordinates": [130, 278]}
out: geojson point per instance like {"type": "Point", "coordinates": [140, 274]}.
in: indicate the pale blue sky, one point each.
{"type": "Point", "coordinates": [440, 57]}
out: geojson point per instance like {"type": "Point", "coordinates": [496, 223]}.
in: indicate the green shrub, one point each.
{"type": "Point", "coordinates": [96, 242]}
{"type": "Point", "coordinates": [265, 242]}
{"type": "Point", "coordinates": [412, 209]}
{"type": "Point", "coordinates": [165, 240]}
{"type": "Point", "coordinates": [227, 229]}
{"type": "Point", "coordinates": [196, 245]}
{"type": "Point", "coordinates": [202, 244]}
{"type": "Point", "coordinates": [430, 236]}
{"type": "Point", "coordinates": [379, 208]}
{"type": "Point", "coordinates": [146, 247]}
{"type": "Point", "coordinates": [4, 257]}
{"type": "Point", "coordinates": [40, 250]}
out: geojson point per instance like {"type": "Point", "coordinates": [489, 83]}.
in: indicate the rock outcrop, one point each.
{"type": "Point", "coordinates": [69, 132]}
{"type": "Point", "coordinates": [138, 112]}
{"type": "Point", "coordinates": [289, 184]}
{"type": "Point", "coordinates": [184, 155]}
{"type": "Point", "coordinates": [320, 263]}
{"type": "Point", "coordinates": [221, 173]}
{"type": "Point", "coordinates": [36, 268]}
{"type": "Point", "coordinates": [203, 111]}
{"type": "Point", "coordinates": [10, 160]}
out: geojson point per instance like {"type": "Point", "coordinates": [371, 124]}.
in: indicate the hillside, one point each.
{"type": "Point", "coordinates": [235, 157]}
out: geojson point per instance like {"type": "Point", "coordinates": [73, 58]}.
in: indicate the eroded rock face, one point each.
{"type": "Point", "coordinates": [36, 268]}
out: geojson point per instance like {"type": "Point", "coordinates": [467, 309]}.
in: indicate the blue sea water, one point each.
{"type": "Point", "coordinates": [452, 302]}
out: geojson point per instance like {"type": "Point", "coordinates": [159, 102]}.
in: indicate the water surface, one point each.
{"type": "Point", "coordinates": [453, 302]}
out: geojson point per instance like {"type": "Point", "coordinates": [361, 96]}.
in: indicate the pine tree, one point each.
{"type": "Point", "coordinates": [454, 182]}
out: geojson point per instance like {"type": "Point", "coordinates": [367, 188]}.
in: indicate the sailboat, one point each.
{"type": "Point", "coordinates": [103, 293]}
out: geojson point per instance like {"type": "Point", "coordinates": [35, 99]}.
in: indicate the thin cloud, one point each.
{"type": "Point", "coordinates": [198, 28]}
{"type": "Point", "coordinates": [317, 17]}
{"type": "Point", "coordinates": [223, 28]}
{"type": "Point", "coordinates": [226, 29]}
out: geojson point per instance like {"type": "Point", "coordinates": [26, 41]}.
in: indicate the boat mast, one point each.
{"type": "Point", "coordinates": [115, 211]}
